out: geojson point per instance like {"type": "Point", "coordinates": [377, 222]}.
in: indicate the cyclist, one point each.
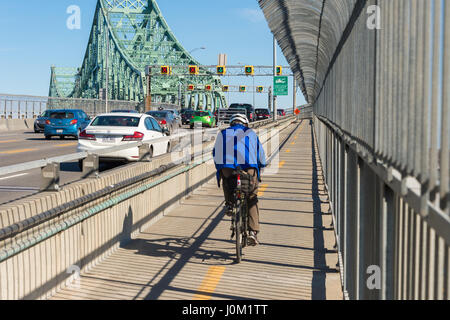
{"type": "Point", "coordinates": [239, 147]}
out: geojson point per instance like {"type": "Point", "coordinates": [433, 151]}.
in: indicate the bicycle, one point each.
{"type": "Point", "coordinates": [239, 221]}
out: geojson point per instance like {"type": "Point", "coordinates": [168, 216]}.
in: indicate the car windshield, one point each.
{"type": "Point", "coordinates": [262, 111]}
{"type": "Point", "coordinates": [188, 112]}
{"type": "Point", "coordinates": [46, 114]}
{"type": "Point", "coordinates": [158, 114]}
{"type": "Point", "coordinates": [115, 121]}
{"type": "Point", "coordinates": [62, 115]}
{"type": "Point", "coordinates": [201, 113]}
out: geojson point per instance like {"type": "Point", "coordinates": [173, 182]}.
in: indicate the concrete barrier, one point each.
{"type": "Point", "coordinates": [42, 260]}
{"type": "Point", "coordinates": [16, 124]}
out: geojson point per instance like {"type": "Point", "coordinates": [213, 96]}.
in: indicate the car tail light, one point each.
{"type": "Point", "coordinates": [47, 122]}
{"type": "Point", "coordinates": [163, 122]}
{"type": "Point", "coordinates": [74, 121]}
{"type": "Point", "coordinates": [84, 136]}
{"type": "Point", "coordinates": [192, 117]}
{"type": "Point", "coordinates": [137, 136]}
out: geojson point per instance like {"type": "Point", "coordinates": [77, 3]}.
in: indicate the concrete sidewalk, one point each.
{"type": "Point", "coordinates": [188, 254]}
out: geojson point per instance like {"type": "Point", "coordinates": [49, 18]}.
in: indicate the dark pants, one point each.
{"type": "Point", "coordinates": [253, 198]}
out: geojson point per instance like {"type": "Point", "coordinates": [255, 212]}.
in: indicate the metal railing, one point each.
{"type": "Point", "coordinates": [377, 73]}
{"type": "Point", "coordinates": [28, 107]}
{"type": "Point", "coordinates": [381, 124]}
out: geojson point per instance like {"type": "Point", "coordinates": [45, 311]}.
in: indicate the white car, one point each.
{"type": "Point", "coordinates": [117, 129]}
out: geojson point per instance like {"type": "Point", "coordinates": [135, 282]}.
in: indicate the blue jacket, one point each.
{"type": "Point", "coordinates": [238, 146]}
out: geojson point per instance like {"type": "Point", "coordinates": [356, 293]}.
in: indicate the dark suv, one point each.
{"type": "Point", "coordinates": [251, 115]}
{"type": "Point", "coordinates": [262, 114]}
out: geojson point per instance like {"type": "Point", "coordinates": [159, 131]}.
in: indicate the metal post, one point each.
{"type": "Point", "coordinates": [91, 166]}
{"type": "Point", "coordinates": [148, 100]}
{"type": "Point", "coordinates": [294, 92]}
{"type": "Point", "coordinates": [50, 177]}
{"type": "Point", "coordinates": [274, 74]}
{"type": "Point", "coordinates": [107, 68]}
{"type": "Point", "coordinates": [254, 89]}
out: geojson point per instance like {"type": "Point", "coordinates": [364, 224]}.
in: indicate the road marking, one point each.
{"type": "Point", "coordinates": [282, 163]}
{"type": "Point", "coordinates": [288, 151]}
{"type": "Point", "coordinates": [293, 143]}
{"type": "Point", "coordinates": [262, 189]}
{"type": "Point", "coordinates": [67, 144]}
{"type": "Point", "coordinates": [16, 176]}
{"type": "Point", "coordinates": [17, 151]}
{"type": "Point", "coordinates": [8, 141]}
{"type": "Point", "coordinates": [210, 283]}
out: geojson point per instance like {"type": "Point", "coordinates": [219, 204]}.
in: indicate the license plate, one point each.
{"type": "Point", "coordinates": [109, 139]}
{"type": "Point", "coordinates": [59, 131]}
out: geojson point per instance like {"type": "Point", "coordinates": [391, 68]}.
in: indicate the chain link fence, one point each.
{"type": "Point", "coordinates": [377, 73]}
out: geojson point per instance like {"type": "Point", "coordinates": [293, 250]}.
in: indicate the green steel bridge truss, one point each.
{"type": "Point", "coordinates": [129, 36]}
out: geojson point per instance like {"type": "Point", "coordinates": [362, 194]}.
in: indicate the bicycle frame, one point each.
{"type": "Point", "coordinates": [240, 220]}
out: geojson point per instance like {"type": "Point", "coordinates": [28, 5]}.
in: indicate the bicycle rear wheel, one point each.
{"type": "Point", "coordinates": [238, 232]}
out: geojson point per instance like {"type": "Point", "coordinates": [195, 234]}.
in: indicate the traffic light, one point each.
{"type": "Point", "coordinates": [221, 70]}
{"type": "Point", "coordinates": [260, 89]}
{"type": "Point", "coordinates": [249, 70]}
{"type": "Point", "coordinates": [193, 70]}
{"type": "Point", "coordinates": [242, 88]}
{"type": "Point", "coordinates": [225, 88]}
{"type": "Point", "coordinates": [208, 87]}
{"type": "Point", "coordinates": [166, 70]}
{"type": "Point", "coordinates": [279, 70]}
{"type": "Point", "coordinates": [191, 87]}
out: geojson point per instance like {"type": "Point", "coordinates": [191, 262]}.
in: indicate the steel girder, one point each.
{"type": "Point", "coordinates": [130, 35]}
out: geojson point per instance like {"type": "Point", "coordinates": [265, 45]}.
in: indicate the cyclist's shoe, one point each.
{"type": "Point", "coordinates": [229, 210]}
{"type": "Point", "coordinates": [252, 239]}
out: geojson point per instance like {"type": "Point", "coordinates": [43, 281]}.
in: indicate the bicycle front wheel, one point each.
{"type": "Point", "coordinates": [238, 232]}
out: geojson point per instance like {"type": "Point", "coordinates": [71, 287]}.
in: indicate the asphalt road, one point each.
{"type": "Point", "coordinates": [19, 147]}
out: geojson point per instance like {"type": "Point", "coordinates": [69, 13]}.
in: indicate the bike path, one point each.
{"type": "Point", "coordinates": [188, 254]}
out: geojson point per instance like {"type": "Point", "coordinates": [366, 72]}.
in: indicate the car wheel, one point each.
{"type": "Point", "coordinates": [62, 137]}
{"type": "Point", "coordinates": [192, 126]}
{"type": "Point", "coordinates": [80, 164]}
{"type": "Point", "coordinates": [169, 148]}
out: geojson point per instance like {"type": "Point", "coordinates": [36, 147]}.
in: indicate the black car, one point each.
{"type": "Point", "coordinates": [186, 116]}
{"type": "Point", "coordinates": [251, 115]}
{"type": "Point", "coordinates": [262, 114]}
{"type": "Point", "coordinates": [39, 123]}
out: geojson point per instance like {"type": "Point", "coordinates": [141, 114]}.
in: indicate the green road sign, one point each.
{"type": "Point", "coordinates": [281, 86]}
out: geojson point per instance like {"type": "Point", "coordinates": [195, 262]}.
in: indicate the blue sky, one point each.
{"type": "Point", "coordinates": [34, 36]}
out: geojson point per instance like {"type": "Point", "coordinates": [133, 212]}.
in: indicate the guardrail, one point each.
{"type": "Point", "coordinates": [381, 119]}
{"type": "Point", "coordinates": [50, 166]}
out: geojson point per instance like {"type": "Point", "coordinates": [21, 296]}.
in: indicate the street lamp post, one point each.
{"type": "Point", "coordinates": [200, 48]}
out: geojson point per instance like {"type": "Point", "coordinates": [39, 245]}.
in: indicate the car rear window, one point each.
{"type": "Point", "coordinates": [261, 111]}
{"type": "Point", "coordinates": [115, 121]}
{"type": "Point", "coordinates": [158, 114]}
{"type": "Point", "coordinates": [201, 113]}
{"type": "Point", "coordinates": [62, 115]}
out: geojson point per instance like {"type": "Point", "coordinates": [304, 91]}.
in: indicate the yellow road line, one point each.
{"type": "Point", "coordinates": [262, 189]}
{"type": "Point", "coordinates": [288, 150]}
{"type": "Point", "coordinates": [293, 143]}
{"type": "Point", "coordinates": [8, 141]}
{"type": "Point", "coordinates": [282, 163]}
{"type": "Point", "coordinates": [67, 144]}
{"type": "Point", "coordinates": [209, 283]}
{"type": "Point", "coordinates": [17, 151]}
